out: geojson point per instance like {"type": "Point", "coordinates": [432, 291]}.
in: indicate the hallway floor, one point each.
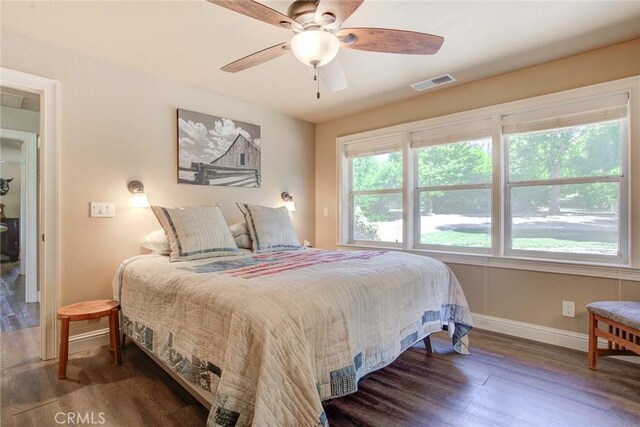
{"type": "Point", "coordinates": [15, 312]}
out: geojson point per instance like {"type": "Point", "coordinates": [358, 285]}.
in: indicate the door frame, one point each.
{"type": "Point", "coordinates": [49, 91]}
{"type": "Point", "coordinates": [28, 209]}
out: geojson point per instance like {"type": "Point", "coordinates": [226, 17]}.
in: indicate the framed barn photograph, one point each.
{"type": "Point", "coordinates": [216, 150]}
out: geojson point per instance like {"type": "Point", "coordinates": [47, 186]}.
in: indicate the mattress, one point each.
{"type": "Point", "coordinates": [270, 336]}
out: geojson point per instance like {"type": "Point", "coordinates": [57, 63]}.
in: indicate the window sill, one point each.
{"type": "Point", "coordinates": [547, 266]}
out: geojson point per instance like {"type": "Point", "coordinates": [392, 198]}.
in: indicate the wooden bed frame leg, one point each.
{"type": "Point", "coordinates": [427, 344]}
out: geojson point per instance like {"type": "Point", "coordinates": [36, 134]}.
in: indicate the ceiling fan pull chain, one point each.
{"type": "Point", "coordinates": [316, 75]}
{"type": "Point", "coordinates": [318, 82]}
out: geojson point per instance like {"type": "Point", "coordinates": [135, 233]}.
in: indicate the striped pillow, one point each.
{"type": "Point", "coordinates": [196, 232]}
{"type": "Point", "coordinates": [271, 229]}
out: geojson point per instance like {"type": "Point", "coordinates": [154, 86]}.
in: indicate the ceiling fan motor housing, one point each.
{"type": "Point", "coordinates": [303, 11]}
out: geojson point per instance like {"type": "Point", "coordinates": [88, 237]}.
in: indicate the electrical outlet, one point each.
{"type": "Point", "coordinates": [568, 309]}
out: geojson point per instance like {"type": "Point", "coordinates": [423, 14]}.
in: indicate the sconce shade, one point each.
{"type": "Point", "coordinates": [288, 201]}
{"type": "Point", "coordinates": [291, 206]}
{"type": "Point", "coordinates": [140, 199]}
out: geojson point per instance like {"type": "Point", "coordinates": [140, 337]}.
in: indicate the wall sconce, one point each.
{"type": "Point", "coordinates": [140, 199]}
{"type": "Point", "coordinates": [288, 201]}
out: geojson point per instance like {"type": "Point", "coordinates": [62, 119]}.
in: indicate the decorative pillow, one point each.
{"type": "Point", "coordinates": [196, 232]}
{"type": "Point", "coordinates": [157, 242]}
{"type": "Point", "coordinates": [271, 229]}
{"type": "Point", "coordinates": [241, 235]}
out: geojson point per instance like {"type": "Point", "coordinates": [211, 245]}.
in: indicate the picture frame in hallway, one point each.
{"type": "Point", "coordinates": [214, 150]}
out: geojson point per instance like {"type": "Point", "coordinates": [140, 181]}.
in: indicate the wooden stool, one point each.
{"type": "Point", "coordinates": [84, 311]}
{"type": "Point", "coordinates": [623, 334]}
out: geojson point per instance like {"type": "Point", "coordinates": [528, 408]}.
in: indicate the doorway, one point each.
{"type": "Point", "coordinates": [19, 287]}
{"type": "Point", "coordinates": [47, 91]}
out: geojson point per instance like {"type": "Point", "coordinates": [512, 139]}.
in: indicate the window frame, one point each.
{"type": "Point", "coordinates": [628, 265]}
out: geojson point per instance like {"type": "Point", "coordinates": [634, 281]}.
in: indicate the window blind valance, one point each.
{"type": "Point", "coordinates": [375, 146]}
{"type": "Point", "coordinates": [595, 110]}
{"type": "Point", "coordinates": [459, 132]}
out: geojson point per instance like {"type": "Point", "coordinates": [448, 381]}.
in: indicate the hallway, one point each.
{"type": "Point", "coordinates": [16, 313]}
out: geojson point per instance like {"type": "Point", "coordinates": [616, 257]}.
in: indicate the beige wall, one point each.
{"type": "Point", "coordinates": [519, 295]}
{"type": "Point", "coordinates": [536, 297]}
{"type": "Point", "coordinates": [118, 124]}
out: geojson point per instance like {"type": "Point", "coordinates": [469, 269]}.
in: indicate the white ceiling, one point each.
{"type": "Point", "coordinates": [190, 41]}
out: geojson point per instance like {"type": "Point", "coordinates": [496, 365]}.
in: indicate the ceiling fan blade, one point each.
{"type": "Point", "coordinates": [341, 9]}
{"type": "Point", "coordinates": [390, 41]}
{"type": "Point", "coordinates": [258, 11]}
{"type": "Point", "coordinates": [332, 76]}
{"type": "Point", "coordinates": [257, 58]}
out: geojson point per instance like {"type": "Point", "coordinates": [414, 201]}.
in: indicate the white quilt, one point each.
{"type": "Point", "coordinates": [272, 335]}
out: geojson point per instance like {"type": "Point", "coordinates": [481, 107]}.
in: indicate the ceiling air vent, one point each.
{"type": "Point", "coordinates": [436, 81]}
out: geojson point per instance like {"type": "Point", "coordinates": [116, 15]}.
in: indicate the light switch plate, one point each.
{"type": "Point", "coordinates": [102, 210]}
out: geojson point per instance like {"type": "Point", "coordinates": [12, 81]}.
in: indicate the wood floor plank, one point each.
{"type": "Point", "coordinates": [570, 371]}
{"type": "Point", "coordinates": [553, 406]}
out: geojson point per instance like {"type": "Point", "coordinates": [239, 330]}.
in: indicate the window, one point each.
{"type": "Point", "coordinates": [565, 179]}
{"type": "Point", "coordinates": [537, 179]}
{"type": "Point", "coordinates": [376, 205]}
{"type": "Point", "coordinates": [453, 187]}
{"type": "Point", "coordinates": [242, 159]}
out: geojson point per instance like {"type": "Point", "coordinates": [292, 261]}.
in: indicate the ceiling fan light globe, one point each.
{"type": "Point", "coordinates": [315, 47]}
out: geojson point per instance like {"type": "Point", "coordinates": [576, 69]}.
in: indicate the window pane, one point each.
{"type": "Point", "coordinates": [587, 150]}
{"type": "Point", "coordinates": [578, 218]}
{"type": "Point", "coordinates": [383, 171]}
{"type": "Point", "coordinates": [459, 163]}
{"type": "Point", "coordinates": [456, 218]}
{"type": "Point", "coordinates": [378, 217]}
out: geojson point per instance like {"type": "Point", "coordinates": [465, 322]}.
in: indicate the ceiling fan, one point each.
{"type": "Point", "coordinates": [317, 25]}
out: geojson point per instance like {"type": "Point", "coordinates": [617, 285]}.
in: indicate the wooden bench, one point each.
{"type": "Point", "coordinates": [623, 333]}
{"type": "Point", "coordinates": [85, 311]}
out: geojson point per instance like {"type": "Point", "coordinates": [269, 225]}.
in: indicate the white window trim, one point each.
{"type": "Point", "coordinates": [630, 225]}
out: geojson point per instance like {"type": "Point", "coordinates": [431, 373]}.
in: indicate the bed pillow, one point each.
{"type": "Point", "coordinates": [271, 229]}
{"type": "Point", "coordinates": [241, 235]}
{"type": "Point", "coordinates": [196, 232]}
{"type": "Point", "coordinates": [157, 242]}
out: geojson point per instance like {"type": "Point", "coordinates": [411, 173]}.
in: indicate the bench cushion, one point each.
{"type": "Point", "coordinates": [625, 312]}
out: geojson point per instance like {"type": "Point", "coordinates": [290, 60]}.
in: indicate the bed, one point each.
{"type": "Point", "coordinates": [265, 338]}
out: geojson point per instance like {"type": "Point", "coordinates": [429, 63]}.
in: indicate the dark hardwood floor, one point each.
{"type": "Point", "coordinates": [505, 382]}
{"type": "Point", "coordinates": [15, 313]}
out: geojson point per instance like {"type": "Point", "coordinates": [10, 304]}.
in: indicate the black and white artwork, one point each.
{"type": "Point", "coordinates": [216, 150]}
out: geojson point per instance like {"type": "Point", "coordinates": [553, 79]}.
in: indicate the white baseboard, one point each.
{"type": "Point", "coordinates": [559, 337]}
{"type": "Point", "coordinates": [81, 342]}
